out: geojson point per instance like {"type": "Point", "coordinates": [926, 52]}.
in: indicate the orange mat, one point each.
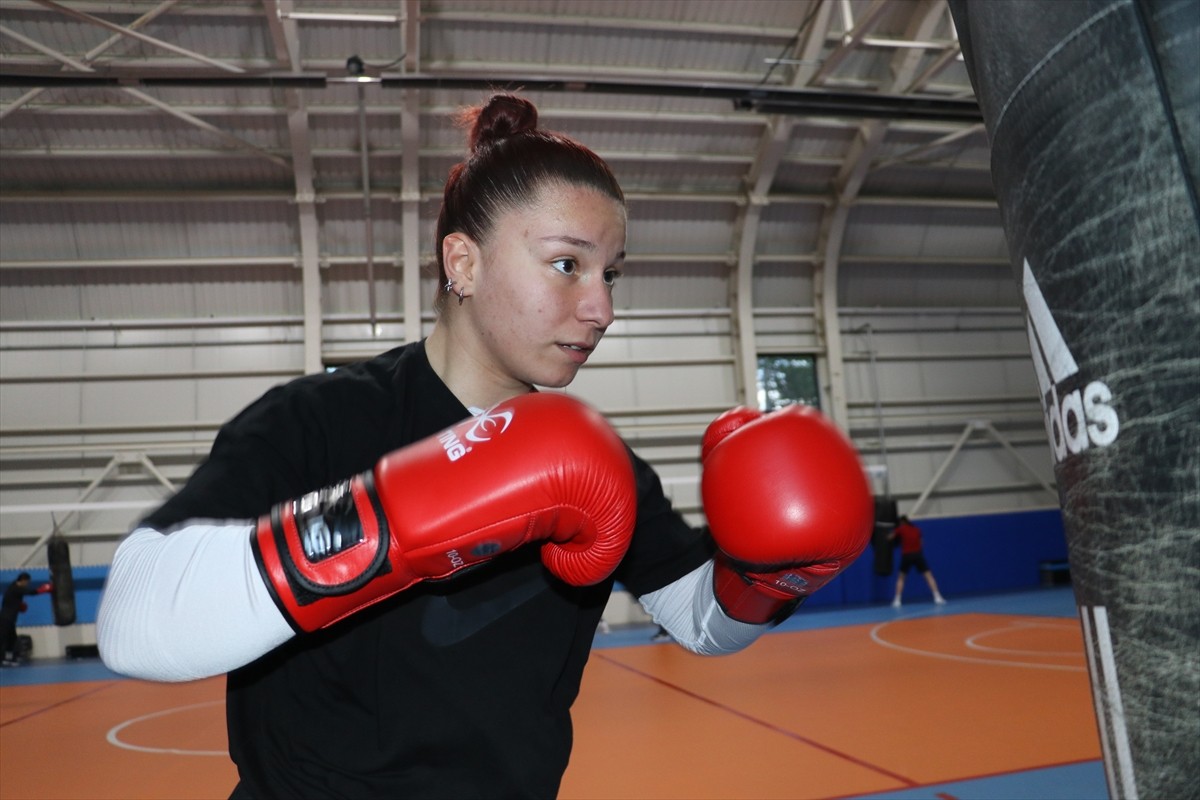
{"type": "Point", "coordinates": [836, 712]}
{"type": "Point", "coordinates": [814, 714]}
{"type": "Point", "coordinates": [123, 740]}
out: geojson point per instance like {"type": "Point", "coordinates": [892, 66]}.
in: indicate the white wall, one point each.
{"type": "Point", "coordinates": [76, 394]}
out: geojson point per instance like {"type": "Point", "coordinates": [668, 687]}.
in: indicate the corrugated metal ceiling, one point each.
{"type": "Point", "coordinates": [108, 172]}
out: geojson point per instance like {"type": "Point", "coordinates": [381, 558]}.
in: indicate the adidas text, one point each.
{"type": "Point", "coordinates": [1076, 418]}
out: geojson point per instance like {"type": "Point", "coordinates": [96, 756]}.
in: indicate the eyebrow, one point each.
{"type": "Point", "coordinates": [571, 240]}
{"type": "Point", "coordinates": [581, 243]}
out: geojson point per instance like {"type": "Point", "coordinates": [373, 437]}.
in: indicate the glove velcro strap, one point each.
{"type": "Point", "coordinates": [327, 543]}
{"type": "Point", "coordinates": [336, 538]}
{"type": "Point", "coordinates": [747, 600]}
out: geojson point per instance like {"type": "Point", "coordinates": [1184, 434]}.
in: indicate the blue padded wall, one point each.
{"type": "Point", "coordinates": [968, 555]}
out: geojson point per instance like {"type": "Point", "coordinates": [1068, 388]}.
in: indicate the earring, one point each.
{"type": "Point", "coordinates": [460, 296]}
{"type": "Point", "coordinates": [449, 287]}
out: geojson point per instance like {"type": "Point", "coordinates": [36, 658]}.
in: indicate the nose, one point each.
{"type": "Point", "coordinates": [595, 305]}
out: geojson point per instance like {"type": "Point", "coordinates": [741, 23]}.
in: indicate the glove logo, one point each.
{"type": "Point", "coordinates": [486, 425]}
{"type": "Point", "coordinates": [791, 581]}
{"type": "Point", "coordinates": [489, 423]}
{"type": "Point", "coordinates": [453, 446]}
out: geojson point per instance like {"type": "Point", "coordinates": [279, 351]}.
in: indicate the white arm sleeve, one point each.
{"type": "Point", "coordinates": [186, 606]}
{"type": "Point", "coordinates": [689, 611]}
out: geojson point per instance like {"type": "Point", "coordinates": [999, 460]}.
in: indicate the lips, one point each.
{"type": "Point", "coordinates": [576, 351]}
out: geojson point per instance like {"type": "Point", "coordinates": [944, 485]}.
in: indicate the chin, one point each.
{"type": "Point", "coordinates": [556, 380]}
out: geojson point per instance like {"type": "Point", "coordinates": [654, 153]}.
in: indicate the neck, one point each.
{"type": "Point", "coordinates": [468, 377]}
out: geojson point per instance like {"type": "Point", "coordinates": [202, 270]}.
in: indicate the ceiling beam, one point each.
{"type": "Point", "coordinates": [90, 56]}
{"type": "Point", "coordinates": [851, 39]}
{"type": "Point", "coordinates": [267, 196]}
{"type": "Point", "coordinates": [744, 97]}
{"type": "Point", "coordinates": [410, 177]}
{"type": "Point", "coordinates": [84, 67]}
{"type": "Point", "coordinates": [769, 155]}
{"type": "Point", "coordinates": [286, 40]}
{"type": "Point", "coordinates": [141, 37]}
{"type": "Point", "coordinates": [847, 185]}
{"type": "Point", "coordinates": [398, 262]}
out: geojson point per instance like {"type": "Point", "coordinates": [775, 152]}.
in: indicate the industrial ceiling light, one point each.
{"type": "Point", "coordinates": [333, 16]}
{"type": "Point", "coordinates": [356, 71]}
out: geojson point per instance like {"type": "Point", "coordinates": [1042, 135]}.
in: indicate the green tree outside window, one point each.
{"type": "Point", "coordinates": [785, 380]}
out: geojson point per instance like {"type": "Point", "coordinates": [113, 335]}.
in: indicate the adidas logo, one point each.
{"type": "Point", "coordinates": [1076, 418]}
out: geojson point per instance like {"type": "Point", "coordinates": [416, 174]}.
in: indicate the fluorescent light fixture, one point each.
{"type": "Point", "coordinates": [323, 16]}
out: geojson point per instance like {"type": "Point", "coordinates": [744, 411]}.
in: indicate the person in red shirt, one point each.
{"type": "Point", "coordinates": [912, 555]}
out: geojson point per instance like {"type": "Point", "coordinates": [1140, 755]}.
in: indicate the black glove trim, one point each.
{"type": "Point", "coordinates": [305, 590]}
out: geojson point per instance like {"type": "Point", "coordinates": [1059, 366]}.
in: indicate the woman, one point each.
{"type": "Point", "coordinates": [456, 688]}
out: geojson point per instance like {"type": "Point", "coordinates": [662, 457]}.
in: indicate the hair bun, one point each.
{"type": "Point", "coordinates": [502, 116]}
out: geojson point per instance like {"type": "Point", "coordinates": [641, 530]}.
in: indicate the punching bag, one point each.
{"type": "Point", "coordinates": [62, 580]}
{"type": "Point", "coordinates": [1092, 109]}
{"type": "Point", "coordinates": [881, 542]}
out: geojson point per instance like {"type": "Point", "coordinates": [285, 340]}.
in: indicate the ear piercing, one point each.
{"type": "Point", "coordinates": [449, 287]}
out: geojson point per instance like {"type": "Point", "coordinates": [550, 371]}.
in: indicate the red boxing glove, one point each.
{"type": "Point", "coordinates": [788, 505]}
{"type": "Point", "coordinates": [539, 467]}
{"type": "Point", "coordinates": [45, 587]}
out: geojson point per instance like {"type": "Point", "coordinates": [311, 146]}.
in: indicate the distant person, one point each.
{"type": "Point", "coordinates": [10, 609]}
{"type": "Point", "coordinates": [912, 556]}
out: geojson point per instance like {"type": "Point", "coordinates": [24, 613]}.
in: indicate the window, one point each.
{"type": "Point", "coordinates": [785, 380]}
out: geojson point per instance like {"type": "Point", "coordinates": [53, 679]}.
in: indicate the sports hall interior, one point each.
{"type": "Point", "coordinates": [202, 200]}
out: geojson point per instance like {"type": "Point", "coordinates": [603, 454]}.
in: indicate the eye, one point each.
{"type": "Point", "coordinates": [610, 276]}
{"type": "Point", "coordinates": [566, 266]}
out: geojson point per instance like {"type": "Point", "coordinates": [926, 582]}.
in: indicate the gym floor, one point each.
{"type": "Point", "coordinates": [983, 698]}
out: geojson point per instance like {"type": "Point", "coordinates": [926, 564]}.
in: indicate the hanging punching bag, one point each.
{"type": "Point", "coordinates": [1093, 112]}
{"type": "Point", "coordinates": [62, 580]}
{"type": "Point", "coordinates": [886, 515]}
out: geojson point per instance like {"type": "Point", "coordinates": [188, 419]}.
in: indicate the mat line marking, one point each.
{"type": "Point", "coordinates": [877, 637]}
{"type": "Point", "coordinates": [907, 782]}
{"type": "Point", "coordinates": [113, 735]}
{"type": "Point", "coordinates": [972, 642]}
{"type": "Point", "coordinates": [63, 702]}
